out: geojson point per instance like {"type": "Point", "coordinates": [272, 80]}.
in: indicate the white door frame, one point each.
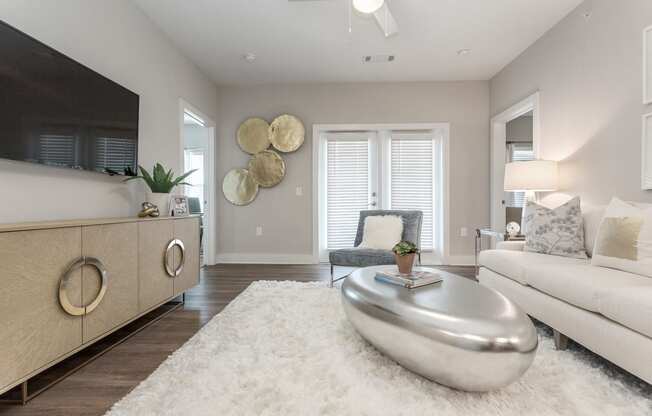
{"type": "Point", "coordinates": [498, 140]}
{"type": "Point", "coordinates": [319, 173]}
{"type": "Point", "coordinates": [210, 214]}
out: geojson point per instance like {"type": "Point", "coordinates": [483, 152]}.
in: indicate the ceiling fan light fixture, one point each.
{"type": "Point", "coordinates": [368, 6]}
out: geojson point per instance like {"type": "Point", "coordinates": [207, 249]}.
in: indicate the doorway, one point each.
{"type": "Point", "coordinates": [198, 149]}
{"type": "Point", "coordinates": [515, 135]}
{"type": "Point", "coordinates": [362, 167]}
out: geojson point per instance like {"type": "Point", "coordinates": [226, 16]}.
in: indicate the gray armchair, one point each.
{"type": "Point", "coordinates": [363, 257]}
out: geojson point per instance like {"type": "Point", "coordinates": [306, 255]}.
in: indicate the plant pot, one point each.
{"type": "Point", "coordinates": [162, 201]}
{"type": "Point", "coordinates": [405, 263]}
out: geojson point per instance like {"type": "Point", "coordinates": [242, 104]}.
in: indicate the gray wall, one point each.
{"type": "Point", "coordinates": [590, 78]}
{"type": "Point", "coordinates": [520, 129]}
{"type": "Point", "coordinates": [133, 53]}
{"type": "Point", "coordinates": [287, 218]}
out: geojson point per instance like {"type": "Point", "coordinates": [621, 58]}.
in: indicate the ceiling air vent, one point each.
{"type": "Point", "coordinates": [375, 59]}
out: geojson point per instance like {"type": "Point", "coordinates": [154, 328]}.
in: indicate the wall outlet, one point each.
{"type": "Point", "coordinates": [299, 190]}
{"type": "Point", "coordinates": [464, 232]}
{"type": "Point", "coordinates": [259, 230]}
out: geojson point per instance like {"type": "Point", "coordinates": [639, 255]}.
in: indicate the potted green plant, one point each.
{"type": "Point", "coordinates": [404, 252]}
{"type": "Point", "coordinates": [160, 183]}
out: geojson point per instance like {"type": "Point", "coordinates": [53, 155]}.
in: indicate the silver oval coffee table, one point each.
{"type": "Point", "coordinates": [456, 332]}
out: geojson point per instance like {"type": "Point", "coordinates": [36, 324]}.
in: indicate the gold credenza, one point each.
{"type": "Point", "coordinates": [64, 285]}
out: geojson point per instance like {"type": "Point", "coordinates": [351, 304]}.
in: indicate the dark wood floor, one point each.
{"type": "Point", "coordinates": [93, 389]}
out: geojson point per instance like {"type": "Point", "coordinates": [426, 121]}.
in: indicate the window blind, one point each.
{"type": "Point", "coordinates": [518, 152]}
{"type": "Point", "coordinates": [412, 182]}
{"type": "Point", "coordinates": [347, 184]}
{"type": "Point", "coordinates": [115, 153]}
{"type": "Point", "coordinates": [57, 150]}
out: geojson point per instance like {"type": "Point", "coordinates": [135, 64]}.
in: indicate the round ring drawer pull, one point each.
{"type": "Point", "coordinates": [174, 272]}
{"type": "Point", "coordinates": [65, 282]}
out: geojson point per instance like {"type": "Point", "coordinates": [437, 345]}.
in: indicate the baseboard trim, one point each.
{"type": "Point", "coordinates": [264, 258]}
{"type": "Point", "coordinates": [460, 261]}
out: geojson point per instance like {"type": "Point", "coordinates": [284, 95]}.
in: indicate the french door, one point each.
{"type": "Point", "coordinates": [379, 169]}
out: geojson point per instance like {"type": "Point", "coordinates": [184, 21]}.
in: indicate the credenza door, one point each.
{"type": "Point", "coordinates": [186, 230]}
{"type": "Point", "coordinates": [155, 285]}
{"type": "Point", "coordinates": [115, 246]}
{"type": "Point", "coordinates": [34, 328]}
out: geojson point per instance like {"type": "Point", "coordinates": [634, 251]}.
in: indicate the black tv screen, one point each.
{"type": "Point", "coordinates": [57, 112]}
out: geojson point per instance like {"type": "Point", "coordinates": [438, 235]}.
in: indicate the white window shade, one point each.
{"type": "Point", "coordinates": [348, 189]}
{"type": "Point", "coordinates": [57, 150]}
{"type": "Point", "coordinates": [518, 152]}
{"type": "Point", "coordinates": [412, 180]}
{"type": "Point", "coordinates": [114, 153]}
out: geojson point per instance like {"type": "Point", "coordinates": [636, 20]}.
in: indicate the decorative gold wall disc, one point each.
{"type": "Point", "coordinates": [239, 187]}
{"type": "Point", "coordinates": [253, 135]}
{"type": "Point", "coordinates": [267, 168]}
{"type": "Point", "coordinates": [287, 133]}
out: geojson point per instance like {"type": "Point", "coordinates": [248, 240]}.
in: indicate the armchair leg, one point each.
{"type": "Point", "coordinates": [331, 282]}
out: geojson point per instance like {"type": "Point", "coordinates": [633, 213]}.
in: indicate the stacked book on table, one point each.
{"type": "Point", "coordinates": [410, 281]}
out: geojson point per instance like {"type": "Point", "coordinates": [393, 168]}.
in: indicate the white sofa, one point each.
{"type": "Point", "coordinates": [607, 311]}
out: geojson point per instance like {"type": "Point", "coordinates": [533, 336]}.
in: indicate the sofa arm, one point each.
{"type": "Point", "coordinates": [511, 245]}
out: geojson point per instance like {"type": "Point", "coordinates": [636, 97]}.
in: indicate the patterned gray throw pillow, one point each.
{"type": "Point", "coordinates": [558, 231]}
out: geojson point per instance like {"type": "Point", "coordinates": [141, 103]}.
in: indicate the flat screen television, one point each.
{"type": "Point", "coordinates": [57, 112]}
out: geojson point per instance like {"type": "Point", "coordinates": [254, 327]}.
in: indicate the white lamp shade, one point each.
{"type": "Point", "coordinates": [368, 6]}
{"type": "Point", "coordinates": [533, 175]}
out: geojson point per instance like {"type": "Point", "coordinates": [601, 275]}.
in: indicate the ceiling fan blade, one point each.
{"type": "Point", "coordinates": [386, 21]}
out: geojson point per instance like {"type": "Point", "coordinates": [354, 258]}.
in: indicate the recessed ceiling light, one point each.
{"type": "Point", "coordinates": [367, 6]}
{"type": "Point", "coordinates": [463, 52]}
{"type": "Point", "coordinates": [249, 57]}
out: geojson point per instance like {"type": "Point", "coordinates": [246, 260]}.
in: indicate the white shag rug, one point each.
{"type": "Point", "coordinates": [286, 348]}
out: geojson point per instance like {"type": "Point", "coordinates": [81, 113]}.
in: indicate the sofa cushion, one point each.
{"type": "Point", "coordinates": [580, 284]}
{"type": "Point", "coordinates": [361, 257]}
{"type": "Point", "coordinates": [630, 306]}
{"type": "Point", "coordinates": [513, 264]}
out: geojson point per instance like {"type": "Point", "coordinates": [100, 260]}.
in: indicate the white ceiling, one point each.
{"type": "Point", "coordinates": [309, 41]}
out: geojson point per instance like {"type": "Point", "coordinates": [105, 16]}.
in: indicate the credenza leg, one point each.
{"type": "Point", "coordinates": [23, 392]}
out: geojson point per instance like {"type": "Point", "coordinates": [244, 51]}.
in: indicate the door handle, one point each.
{"type": "Point", "coordinates": [65, 303]}
{"type": "Point", "coordinates": [174, 272]}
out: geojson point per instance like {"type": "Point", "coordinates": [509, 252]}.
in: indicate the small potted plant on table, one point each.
{"type": "Point", "coordinates": [160, 183]}
{"type": "Point", "coordinates": [404, 252]}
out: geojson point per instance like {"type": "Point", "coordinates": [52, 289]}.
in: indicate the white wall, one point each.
{"type": "Point", "coordinates": [589, 74]}
{"type": "Point", "coordinates": [287, 218]}
{"type": "Point", "coordinates": [117, 40]}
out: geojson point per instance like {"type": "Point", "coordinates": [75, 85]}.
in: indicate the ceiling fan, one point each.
{"type": "Point", "coordinates": [379, 9]}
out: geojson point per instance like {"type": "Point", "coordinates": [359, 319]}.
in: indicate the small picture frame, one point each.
{"type": "Point", "coordinates": [179, 206]}
{"type": "Point", "coordinates": [646, 152]}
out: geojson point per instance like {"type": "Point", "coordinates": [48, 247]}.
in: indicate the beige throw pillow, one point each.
{"type": "Point", "coordinates": [556, 231]}
{"type": "Point", "coordinates": [382, 232]}
{"type": "Point", "coordinates": [624, 239]}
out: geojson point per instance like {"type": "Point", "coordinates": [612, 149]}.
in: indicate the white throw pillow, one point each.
{"type": "Point", "coordinates": [624, 240]}
{"type": "Point", "coordinates": [382, 232]}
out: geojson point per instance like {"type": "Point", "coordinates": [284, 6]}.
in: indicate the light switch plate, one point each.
{"type": "Point", "coordinates": [259, 230]}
